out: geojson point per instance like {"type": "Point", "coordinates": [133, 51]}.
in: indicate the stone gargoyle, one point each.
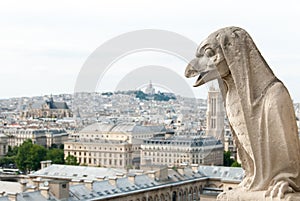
{"type": "Point", "coordinates": [260, 113]}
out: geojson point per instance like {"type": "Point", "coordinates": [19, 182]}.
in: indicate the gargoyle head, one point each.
{"type": "Point", "coordinates": [209, 63]}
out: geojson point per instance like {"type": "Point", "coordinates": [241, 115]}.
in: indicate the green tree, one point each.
{"type": "Point", "coordinates": [7, 160]}
{"type": "Point", "coordinates": [12, 151]}
{"type": "Point", "coordinates": [23, 156]}
{"type": "Point", "coordinates": [29, 156]}
{"type": "Point", "coordinates": [227, 159]}
{"type": "Point", "coordinates": [37, 153]}
{"type": "Point", "coordinates": [56, 156]}
{"type": "Point", "coordinates": [71, 160]}
{"type": "Point", "coordinates": [235, 164]}
{"type": "Point", "coordinates": [61, 146]}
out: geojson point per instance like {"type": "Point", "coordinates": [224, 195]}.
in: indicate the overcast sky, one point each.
{"type": "Point", "coordinates": [44, 45]}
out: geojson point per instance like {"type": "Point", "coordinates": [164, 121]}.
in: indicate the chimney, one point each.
{"type": "Point", "coordinates": [45, 192]}
{"type": "Point", "coordinates": [12, 196]}
{"type": "Point", "coordinates": [31, 189]}
{"type": "Point", "coordinates": [131, 178]}
{"type": "Point", "coordinates": [76, 181]}
{"type": "Point", "coordinates": [59, 189]}
{"type": "Point", "coordinates": [180, 170]}
{"type": "Point", "coordinates": [100, 178]}
{"type": "Point", "coordinates": [120, 175]}
{"type": "Point", "coordinates": [45, 164]}
{"type": "Point", "coordinates": [112, 181]}
{"type": "Point", "coordinates": [151, 174]}
{"type": "Point", "coordinates": [89, 184]}
{"type": "Point", "coordinates": [37, 181]}
{"type": "Point", "coordinates": [23, 185]}
{"type": "Point", "coordinates": [195, 167]}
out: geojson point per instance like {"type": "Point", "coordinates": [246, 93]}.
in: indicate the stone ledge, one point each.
{"type": "Point", "coordinates": [236, 195]}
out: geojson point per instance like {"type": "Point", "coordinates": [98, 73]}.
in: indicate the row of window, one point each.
{"type": "Point", "coordinates": [172, 161]}
{"type": "Point", "coordinates": [98, 154]}
{"type": "Point", "coordinates": [104, 162]}
{"type": "Point", "coordinates": [172, 149]}
{"type": "Point", "coordinates": [170, 155]}
{"type": "Point", "coordinates": [100, 148]}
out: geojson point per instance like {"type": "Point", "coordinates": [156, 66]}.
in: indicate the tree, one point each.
{"type": "Point", "coordinates": [71, 160]}
{"type": "Point", "coordinates": [12, 151]}
{"type": "Point", "coordinates": [7, 161]}
{"type": "Point", "coordinates": [227, 159]}
{"type": "Point", "coordinates": [37, 153]}
{"type": "Point", "coordinates": [235, 164]}
{"type": "Point", "coordinates": [22, 158]}
{"type": "Point", "coordinates": [56, 156]}
{"type": "Point", "coordinates": [29, 156]}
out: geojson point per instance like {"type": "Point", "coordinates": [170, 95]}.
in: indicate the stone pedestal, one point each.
{"type": "Point", "coordinates": [238, 195]}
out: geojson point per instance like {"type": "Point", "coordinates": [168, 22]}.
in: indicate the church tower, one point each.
{"type": "Point", "coordinates": [215, 114]}
{"type": "Point", "coordinates": [150, 89]}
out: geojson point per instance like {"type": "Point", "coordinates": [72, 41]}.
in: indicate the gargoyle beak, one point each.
{"type": "Point", "coordinates": [193, 69]}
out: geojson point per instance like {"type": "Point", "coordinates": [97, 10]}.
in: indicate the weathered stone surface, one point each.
{"type": "Point", "coordinates": [260, 113]}
{"type": "Point", "coordinates": [255, 196]}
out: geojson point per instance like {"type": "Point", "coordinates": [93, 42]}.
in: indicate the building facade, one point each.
{"type": "Point", "coordinates": [47, 109]}
{"type": "Point", "coordinates": [110, 145]}
{"type": "Point", "coordinates": [3, 145]}
{"type": "Point", "coordinates": [43, 137]}
{"type": "Point", "coordinates": [173, 150]}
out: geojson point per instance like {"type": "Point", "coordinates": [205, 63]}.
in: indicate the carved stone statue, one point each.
{"type": "Point", "coordinates": [260, 113]}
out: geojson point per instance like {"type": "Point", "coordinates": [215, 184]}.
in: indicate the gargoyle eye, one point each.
{"type": "Point", "coordinates": [209, 52]}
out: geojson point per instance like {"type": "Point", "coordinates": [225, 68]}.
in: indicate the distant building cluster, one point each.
{"type": "Point", "coordinates": [132, 146]}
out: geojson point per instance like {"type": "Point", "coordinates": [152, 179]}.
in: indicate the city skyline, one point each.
{"type": "Point", "coordinates": [45, 45]}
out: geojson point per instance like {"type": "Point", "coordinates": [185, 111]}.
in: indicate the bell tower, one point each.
{"type": "Point", "coordinates": [215, 114]}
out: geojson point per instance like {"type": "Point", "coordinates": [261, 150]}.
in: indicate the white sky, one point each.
{"type": "Point", "coordinates": [43, 45]}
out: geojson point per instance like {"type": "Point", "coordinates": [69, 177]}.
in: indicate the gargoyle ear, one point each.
{"type": "Point", "coordinates": [227, 39]}
{"type": "Point", "coordinates": [223, 40]}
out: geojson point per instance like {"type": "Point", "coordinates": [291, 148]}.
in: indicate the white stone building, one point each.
{"type": "Point", "coordinates": [110, 145]}
{"type": "Point", "coordinates": [44, 137]}
{"type": "Point", "coordinates": [174, 150]}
